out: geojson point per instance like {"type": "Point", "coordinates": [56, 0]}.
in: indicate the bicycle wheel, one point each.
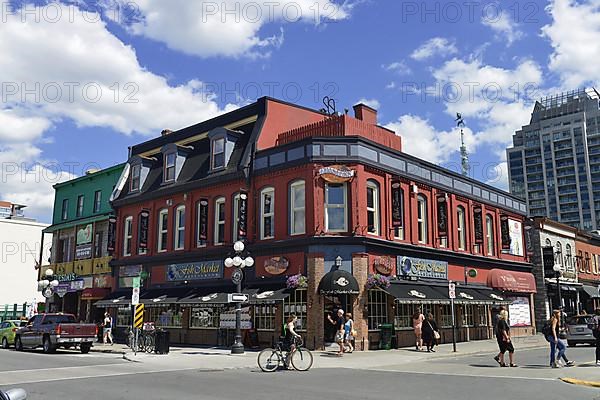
{"type": "Point", "coordinates": [149, 343]}
{"type": "Point", "coordinates": [269, 360]}
{"type": "Point", "coordinates": [302, 359]}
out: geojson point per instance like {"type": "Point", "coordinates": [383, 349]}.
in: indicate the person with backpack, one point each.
{"type": "Point", "coordinates": [596, 332]}
{"type": "Point", "coordinates": [556, 342]}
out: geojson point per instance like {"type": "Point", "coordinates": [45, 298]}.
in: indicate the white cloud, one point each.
{"type": "Point", "coordinates": [398, 67]}
{"type": "Point", "coordinates": [437, 46]}
{"type": "Point", "coordinates": [228, 28]}
{"type": "Point", "coordinates": [390, 85]}
{"type": "Point", "coordinates": [574, 34]}
{"type": "Point", "coordinates": [19, 128]}
{"type": "Point", "coordinates": [504, 26]}
{"type": "Point", "coordinates": [373, 103]}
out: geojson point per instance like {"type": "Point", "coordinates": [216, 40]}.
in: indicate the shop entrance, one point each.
{"type": "Point", "coordinates": [332, 303]}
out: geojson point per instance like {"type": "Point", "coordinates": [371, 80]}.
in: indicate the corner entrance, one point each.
{"type": "Point", "coordinates": [332, 303]}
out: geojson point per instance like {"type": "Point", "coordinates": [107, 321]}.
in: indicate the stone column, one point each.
{"type": "Point", "coordinates": [360, 270]}
{"type": "Point", "coordinates": [315, 312]}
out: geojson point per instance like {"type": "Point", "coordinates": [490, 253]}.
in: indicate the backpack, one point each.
{"type": "Point", "coordinates": [547, 329]}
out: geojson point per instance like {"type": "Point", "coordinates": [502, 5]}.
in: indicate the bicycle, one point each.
{"type": "Point", "coordinates": [270, 359]}
{"type": "Point", "coordinates": [141, 342]}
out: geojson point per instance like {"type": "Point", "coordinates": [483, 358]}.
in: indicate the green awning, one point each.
{"type": "Point", "coordinates": [71, 224]}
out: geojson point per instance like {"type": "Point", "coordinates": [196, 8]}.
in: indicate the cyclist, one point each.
{"type": "Point", "coordinates": [289, 342]}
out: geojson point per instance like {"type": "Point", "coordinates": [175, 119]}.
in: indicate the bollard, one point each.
{"type": "Point", "coordinates": [362, 345]}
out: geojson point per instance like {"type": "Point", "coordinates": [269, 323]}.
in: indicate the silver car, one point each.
{"type": "Point", "coordinates": [578, 330]}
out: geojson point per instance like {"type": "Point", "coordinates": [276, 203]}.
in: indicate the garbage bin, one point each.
{"type": "Point", "coordinates": [162, 341]}
{"type": "Point", "coordinates": [386, 333]}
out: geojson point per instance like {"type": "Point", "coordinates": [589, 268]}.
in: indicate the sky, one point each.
{"type": "Point", "coordinates": [80, 81]}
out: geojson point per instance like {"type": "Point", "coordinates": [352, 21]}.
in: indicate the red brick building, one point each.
{"type": "Point", "coordinates": [587, 258]}
{"type": "Point", "coordinates": [332, 198]}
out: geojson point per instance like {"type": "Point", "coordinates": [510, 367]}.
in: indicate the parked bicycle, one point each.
{"type": "Point", "coordinates": [270, 360]}
{"type": "Point", "coordinates": [145, 342]}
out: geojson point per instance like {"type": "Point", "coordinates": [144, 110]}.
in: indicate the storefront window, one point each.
{"type": "Point", "coordinates": [124, 316]}
{"type": "Point", "coordinates": [264, 316]}
{"type": "Point", "coordinates": [205, 317]}
{"type": "Point", "coordinates": [167, 317]}
{"type": "Point", "coordinates": [377, 308]}
{"type": "Point", "coordinates": [445, 316]}
{"type": "Point", "coordinates": [404, 313]}
{"type": "Point", "coordinates": [296, 304]}
{"type": "Point", "coordinates": [482, 315]}
{"type": "Point", "coordinates": [467, 316]}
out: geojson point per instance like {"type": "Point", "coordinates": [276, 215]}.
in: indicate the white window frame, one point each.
{"type": "Point", "coordinates": [134, 184]}
{"type": "Point", "coordinates": [264, 317]}
{"type": "Point", "coordinates": [374, 186]}
{"type": "Point", "coordinates": [213, 153]}
{"type": "Point", "coordinates": [168, 166]}
{"type": "Point", "coordinates": [179, 228]}
{"type": "Point", "coordinates": [64, 212]}
{"type": "Point", "coordinates": [460, 228]}
{"type": "Point", "coordinates": [80, 205]}
{"type": "Point", "coordinates": [377, 308]}
{"type": "Point", "coordinates": [271, 214]}
{"type": "Point", "coordinates": [344, 206]}
{"type": "Point", "coordinates": [163, 229]}
{"type": "Point", "coordinates": [422, 227]}
{"type": "Point", "coordinates": [297, 304]}
{"type": "Point", "coordinates": [127, 236]}
{"type": "Point", "coordinates": [205, 317]}
{"type": "Point", "coordinates": [489, 234]}
{"type": "Point", "coordinates": [219, 224]}
{"type": "Point", "coordinates": [403, 315]}
{"type": "Point", "coordinates": [236, 218]}
{"type": "Point", "coordinates": [297, 208]}
{"type": "Point", "coordinates": [97, 201]}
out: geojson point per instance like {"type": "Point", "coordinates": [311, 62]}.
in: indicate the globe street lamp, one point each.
{"type": "Point", "coordinates": [240, 260]}
{"type": "Point", "coordinates": [47, 285]}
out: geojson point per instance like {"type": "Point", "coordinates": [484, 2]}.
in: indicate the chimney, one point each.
{"type": "Point", "coordinates": [165, 132]}
{"type": "Point", "coordinates": [365, 113]}
{"type": "Point", "coordinates": [91, 171]}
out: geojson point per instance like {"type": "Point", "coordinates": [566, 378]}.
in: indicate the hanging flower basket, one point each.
{"type": "Point", "coordinates": [297, 282]}
{"type": "Point", "coordinates": [377, 281]}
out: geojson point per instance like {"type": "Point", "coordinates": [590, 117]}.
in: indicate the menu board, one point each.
{"type": "Point", "coordinates": [519, 312]}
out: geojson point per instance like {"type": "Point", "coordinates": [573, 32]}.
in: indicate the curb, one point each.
{"type": "Point", "coordinates": [580, 382]}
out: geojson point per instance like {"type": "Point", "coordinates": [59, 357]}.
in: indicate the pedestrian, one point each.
{"type": "Point", "coordinates": [107, 329]}
{"type": "Point", "coordinates": [430, 333]}
{"type": "Point", "coordinates": [596, 332]}
{"type": "Point", "coordinates": [504, 340]}
{"type": "Point", "coordinates": [557, 343]}
{"type": "Point", "coordinates": [339, 329]}
{"type": "Point", "coordinates": [417, 320]}
{"type": "Point", "coordinates": [497, 318]}
{"type": "Point", "coordinates": [348, 329]}
{"type": "Point", "coordinates": [289, 341]}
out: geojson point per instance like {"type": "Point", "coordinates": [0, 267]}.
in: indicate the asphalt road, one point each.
{"type": "Point", "coordinates": [469, 377]}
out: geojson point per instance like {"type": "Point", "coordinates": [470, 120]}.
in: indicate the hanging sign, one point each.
{"type": "Point", "coordinates": [276, 265]}
{"type": "Point", "coordinates": [422, 268]}
{"type": "Point", "coordinates": [504, 232]}
{"type": "Point", "coordinates": [478, 224]}
{"type": "Point", "coordinates": [397, 206]}
{"type": "Point", "coordinates": [243, 215]}
{"type": "Point", "coordinates": [384, 265]}
{"type": "Point", "coordinates": [143, 230]}
{"type": "Point", "coordinates": [203, 228]}
{"type": "Point", "coordinates": [110, 245]}
{"type": "Point", "coordinates": [442, 215]}
{"type": "Point", "coordinates": [84, 235]}
{"type": "Point", "coordinates": [336, 173]}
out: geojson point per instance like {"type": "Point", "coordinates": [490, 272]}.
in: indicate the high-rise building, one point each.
{"type": "Point", "coordinates": [554, 163]}
{"type": "Point", "coordinates": [11, 210]}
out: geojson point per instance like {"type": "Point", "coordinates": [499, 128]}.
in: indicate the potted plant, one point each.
{"type": "Point", "coordinates": [377, 281]}
{"type": "Point", "coordinates": [297, 281]}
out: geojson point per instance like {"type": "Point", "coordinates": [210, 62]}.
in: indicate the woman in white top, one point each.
{"type": "Point", "coordinates": [417, 320]}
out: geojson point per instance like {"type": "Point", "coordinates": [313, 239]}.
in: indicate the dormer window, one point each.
{"type": "Point", "coordinates": [218, 153]}
{"type": "Point", "coordinates": [135, 177]}
{"type": "Point", "coordinates": [169, 173]}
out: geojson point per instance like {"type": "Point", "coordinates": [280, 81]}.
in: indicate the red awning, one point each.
{"type": "Point", "coordinates": [511, 281]}
{"type": "Point", "coordinates": [94, 293]}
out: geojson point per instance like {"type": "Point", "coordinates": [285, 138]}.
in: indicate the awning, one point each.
{"type": "Point", "coordinates": [159, 297]}
{"type": "Point", "coordinates": [338, 282]}
{"type": "Point", "coordinates": [410, 293]}
{"type": "Point", "coordinates": [71, 224]}
{"type": "Point", "coordinates": [203, 298]}
{"type": "Point", "coordinates": [120, 298]}
{"type": "Point", "coordinates": [94, 293]}
{"type": "Point", "coordinates": [258, 296]}
{"type": "Point", "coordinates": [566, 287]}
{"type": "Point", "coordinates": [591, 291]}
{"type": "Point", "coordinates": [491, 296]}
{"type": "Point", "coordinates": [512, 281]}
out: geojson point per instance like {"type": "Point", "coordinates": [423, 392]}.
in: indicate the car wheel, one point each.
{"type": "Point", "coordinates": [571, 344]}
{"type": "Point", "coordinates": [18, 344]}
{"type": "Point", "coordinates": [47, 345]}
{"type": "Point", "coordinates": [4, 343]}
{"type": "Point", "coordinates": [85, 348]}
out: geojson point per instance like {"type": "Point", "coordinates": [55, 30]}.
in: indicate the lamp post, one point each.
{"type": "Point", "coordinates": [240, 260]}
{"type": "Point", "coordinates": [47, 285]}
{"type": "Point", "coordinates": [558, 271]}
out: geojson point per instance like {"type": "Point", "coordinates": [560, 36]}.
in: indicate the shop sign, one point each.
{"type": "Point", "coordinates": [417, 294]}
{"type": "Point", "coordinates": [66, 277]}
{"type": "Point", "coordinates": [143, 230]}
{"type": "Point", "coordinates": [76, 285]}
{"type": "Point", "coordinates": [110, 245]}
{"type": "Point", "coordinates": [478, 224]}
{"type": "Point", "coordinates": [519, 311]}
{"type": "Point", "coordinates": [422, 268]}
{"type": "Point", "coordinates": [442, 215]}
{"type": "Point", "coordinates": [515, 229]}
{"type": "Point", "coordinates": [504, 232]}
{"type": "Point", "coordinates": [243, 215]}
{"type": "Point", "coordinates": [384, 265]}
{"type": "Point", "coordinates": [102, 281]}
{"type": "Point", "coordinates": [83, 252]}
{"type": "Point", "coordinates": [203, 228]}
{"type": "Point", "coordinates": [84, 235]}
{"type": "Point", "coordinates": [276, 265]}
{"type": "Point", "coordinates": [336, 173]}
{"type": "Point", "coordinates": [195, 271]}
{"type": "Point", "coordinates": [130, 270]}
{"type": "Point", "coordinates": [62, 289]}
{"type": "Point", "coordinates": [397, 206]}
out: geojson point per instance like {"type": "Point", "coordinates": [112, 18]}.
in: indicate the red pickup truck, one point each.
{"type": "Point", "coordinates": [51, 331]}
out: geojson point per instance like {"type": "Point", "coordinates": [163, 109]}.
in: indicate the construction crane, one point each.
{"type": "Point", "coordinates": [464, 156]}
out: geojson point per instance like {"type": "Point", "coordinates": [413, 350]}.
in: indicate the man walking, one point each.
{"type": "Point", "coordinates": [596, 332]}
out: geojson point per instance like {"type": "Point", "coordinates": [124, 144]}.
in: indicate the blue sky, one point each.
{"type": "Point", "coordinates": [179, 62]}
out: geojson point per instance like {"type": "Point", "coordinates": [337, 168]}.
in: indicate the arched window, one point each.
{"type": "Point", "coordinates": [297, 205]}
{"type": "Point", "coordinates": [460, 227]}
{"type": "Point", "coordinates": [568, 256]}
{"type": "Point", "coordinates": [267, 213]}
{"type": "Point", "coordinates": [163, 229]}
{"type": "Point", "coordinates": [422, 218]}
{"type": "Point", "coordinates": [127, 236]}
{"type": "Point", "coordinates": [489, 234]}
{"type": "Point", "coordinates": [179, 242]}
{"type": "Point", "coordinates": [372, 207]}
{"type": "Point", "coordinates": [219, 221]}
{"type": "Point", "coordinates": [559, 255]}
{"type": "Point", "coordinates": [548, 243]}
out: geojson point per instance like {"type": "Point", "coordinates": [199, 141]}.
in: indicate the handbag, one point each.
{"type": "Point", "coordinates": [436, 334]}
{"type": "Point", "coordinates": [353, 332]}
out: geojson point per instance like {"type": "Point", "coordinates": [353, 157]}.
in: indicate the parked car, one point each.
{"type": "Point", "coordinates": [7, 331]}
{"type": "Point", "coordinates": [13, 394]}
{"type": "Point", "coordinates": [51, 331]}
{"type": "Point", "coordinates": [578, 330]}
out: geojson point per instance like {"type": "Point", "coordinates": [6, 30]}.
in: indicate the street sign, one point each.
{"type": "Point", "coordinates": [138, 318]}
{"type": "Point", "coordinates": [452, 290]}
{"type": "Point", "coordinates": [237, 298]}
{"type": "Point", "coordinates": [237, 276]}
{"type": "Point", "coordinates": [135, 296]}
{"type": "Point", "coordinates": [136, 282]}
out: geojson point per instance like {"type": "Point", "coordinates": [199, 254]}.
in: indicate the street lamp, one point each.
{"type": "Point", "coordinates": [557, 268]}
{"type": "Point", "coordinates": [47, 285]}
{"type": "Point", "coordinates": [240, 260]}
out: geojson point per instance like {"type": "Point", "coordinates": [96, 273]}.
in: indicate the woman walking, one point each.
{"type": "Point", "coordinates": [504, 340]}
{"type": "Point", "coordinates": [348, 329]}
{"type": "Point", "coordinates": [430, 333]}
{"type": "Point", "coordinates": [417, 320]}
{"type": "Point", "coordinates": [557, 343]}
